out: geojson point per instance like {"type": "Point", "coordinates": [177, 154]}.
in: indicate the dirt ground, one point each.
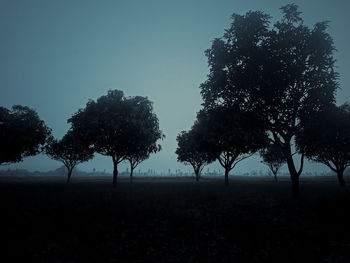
{"type": "Point", "coordinates": [173, 220]}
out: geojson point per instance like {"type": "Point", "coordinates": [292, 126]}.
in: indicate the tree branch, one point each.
{"type": "Point", "coordinates": [241, 159]}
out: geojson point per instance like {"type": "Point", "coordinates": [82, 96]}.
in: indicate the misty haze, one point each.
{"type": "Point", "coordinates": [174, 131]}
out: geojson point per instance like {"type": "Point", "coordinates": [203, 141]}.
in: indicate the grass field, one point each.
{"type": "Point", "coordinates": [173, 220]}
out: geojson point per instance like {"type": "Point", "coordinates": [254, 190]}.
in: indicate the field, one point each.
{"type": "Point", "coordinates": [173, 220]}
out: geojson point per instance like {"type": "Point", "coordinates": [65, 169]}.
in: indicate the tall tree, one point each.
{"type": "Point", "coordinates": [22, 134]}
{"type": "Point", "coordinates": [231, 135]}
{"type": "Point", "coordinates": [190, 150]}
{"type": "Point", "coordinates": [282, 73]}
{"type": "Point", "coordinates": [326, 139]}
{"type": "Point", "coordinates": [145, 134]}
{"type": "Point", "coordinates": [70, 150]}
{"type": "Point", "coordinates": [274, 158]}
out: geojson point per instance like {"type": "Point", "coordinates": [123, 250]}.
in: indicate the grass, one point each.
{"type": "Point", "coordinates": [173, 220]}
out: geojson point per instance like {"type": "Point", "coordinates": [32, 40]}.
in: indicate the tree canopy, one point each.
{"type": "Point", "coordinates": [22, 133]}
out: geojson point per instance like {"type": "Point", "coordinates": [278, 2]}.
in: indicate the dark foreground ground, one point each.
{"type": "Point", "coordinates": [173, 220]}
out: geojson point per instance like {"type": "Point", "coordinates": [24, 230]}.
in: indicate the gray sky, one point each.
{"type": "Point", "coordinates": [55, 55]}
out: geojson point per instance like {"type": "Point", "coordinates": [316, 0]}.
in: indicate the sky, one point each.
{"type": "Point", "coordinates": [56, 55]}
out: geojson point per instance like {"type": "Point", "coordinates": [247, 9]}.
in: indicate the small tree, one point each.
{"type": "Point", "coordinates": [190, 150]}
{"type": "Point", "coordinates": [231, 134]}
{"type": "Point", "coordinates": [326, 139]}
{"type": "Point", "coordinates": [134, 160]}
{"type": "Point", "coordinates": [145, 133]}
{"type": "Point", "coordinates": [22, 134]}
{"type": "Point", "coordinates": [70, 151]}
{"type": "Point", "coordinates": [273, 157]}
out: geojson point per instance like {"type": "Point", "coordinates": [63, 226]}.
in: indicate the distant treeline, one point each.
{"type": "Point", "coordinates": [18, 173]}
{"type": "Point", "coordinates": [270, 90]}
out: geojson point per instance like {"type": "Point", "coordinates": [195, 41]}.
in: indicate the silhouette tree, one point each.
{"type": "Point", "coordinates": [22, 134]}
{"type": "Point", "coordinates": [70, 150]}
{"type": "Point", "coordinates": [190, 150]}
{"type": "Point", "coordinates": [145, 134]}
{"type": "Point", "coordinates": [113, 123]}
{"type": "Point", "coordinates": [281, 73]}
{"type": "Point", "coordinates": [273, 157]}
{"type": "Point", "coordinates": [326, 139]}
{"type": "Point", "coordinates": [134, 160]}
{"type": "Point", "coordinates": [231, 135]}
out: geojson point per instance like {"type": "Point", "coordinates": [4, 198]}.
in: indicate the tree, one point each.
{"type": "Point", "coordinates": [326, 139]}
{"type": "Point", "coordinates": [190, 150]}
{"type": "Point", "coordinates": [134, 160]}
{"type": "Point", "coordinates": [142, 139]}
{"type": "Point", "coordinates": [70, 150]}
{"type": "Point", "coordinates": [110, 125]}
{"type": "Point", "coordinates": [273, 157]}
{"type": "Point", "coordinates": [231, 135]}
{"type": "Point", "coordinates": [22, 134]}
{"type": "Point", "coordinates": [282, 73]}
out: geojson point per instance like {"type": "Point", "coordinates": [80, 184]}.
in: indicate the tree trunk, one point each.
{"type": "Point", "coordinates": [293, 173]}
{"type": "Point", "coordinates": [274, 171]}
{"type": "Point", "coordinates": [226, 175]}
{"type": "Point", "coordinates": [295, 188]}
{"type": "Point", "coordinates": [115, 173]}
{"type": "Point", "coordinates": [131, 173]}
{"type": "Point", "coordinates": [69, 175]}
{"type": "Point", "coordinates": [197, 175]}
{"type": "Point", "coordinates": [340, 175]}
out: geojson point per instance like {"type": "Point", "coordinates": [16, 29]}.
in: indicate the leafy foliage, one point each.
{"type": "Point", "coordinates": [104, 124]}
{"type": "Point", "coordinates": [22, 133]}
